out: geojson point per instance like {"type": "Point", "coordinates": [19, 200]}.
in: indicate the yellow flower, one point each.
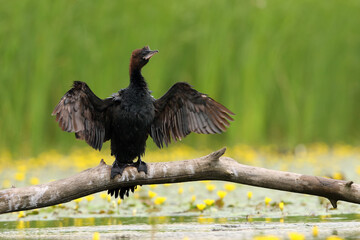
{"type": "Point", "coordinates": [267, 201]}
{"type": "Point", "coordinates": [159, 200]}
{"type": "Point", "coordinates": [249, 195]}
{"type": "Point", "coordinates": [221, 194]}
{"type": "Point", "coordinates": [119, 201]}
{"type": "Point", "coordinates": [296, 236]}
{"type": "Point", "coordinates": [89, 198]}
{"type": "Point", "coordinates": [268, 237]}
{"type": "Point", "coordinates": [338, 176]}
{"type": "Point", "coordinates": [34, 181]}
{"type": "Point", "coordinates": [209, 202]}
{"type": "Point", "coordinates": [229, 187]}
{"type": "Point", "coordinates": [152, 194]}
{"type": "Point", "coordinates": [210, 187]}
{"type": "Point", "coordinates": [96, 236]}
{"type": "Point", "coordinates": [20, 176]}
{"type": "Point", "coordinates": [108, 198]}
{"type": "Point", "coordinates": [21, 214]}
{"type": "Point", "coordinates": [153, 186]}
{"type": "Point", "coordinates": [281, 206]}
{"type": "Point", "coordinates": [205, 181]}
{"type": "Point", "coordinates": [167, 184]}
{"type": "Point", "coordinates": [201, 206]}
{"type": "Point", "coordinates": [193, 198]}
{"type": "Point", "coordinates": [103, 195]}
{"type": "Point", "coordinates": [333, 237]}
{"type": "Point", "coordinates": [315, 231]}
{"type": "Point", "coordinates": [181, 190]}
{"type": "Point", "coordinates": [78, 200]}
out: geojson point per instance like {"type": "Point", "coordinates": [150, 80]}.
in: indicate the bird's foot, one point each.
{"type": "Point", "coordinates": [118, 168]}
{"type": "Point", "coordinates": [140, 166]}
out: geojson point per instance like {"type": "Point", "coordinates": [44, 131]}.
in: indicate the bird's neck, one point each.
{"type": "Point", "coordinates": [136, 79]}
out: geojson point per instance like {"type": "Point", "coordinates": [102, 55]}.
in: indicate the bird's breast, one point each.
{"type": "Point", "coordinates": [135, 111]}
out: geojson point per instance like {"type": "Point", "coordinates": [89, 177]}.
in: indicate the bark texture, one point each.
{"type": "Point", "coordinates": [210, 167]}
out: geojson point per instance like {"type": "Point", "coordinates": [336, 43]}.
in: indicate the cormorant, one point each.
{"type": "Point", "coordinates": [130, 115]}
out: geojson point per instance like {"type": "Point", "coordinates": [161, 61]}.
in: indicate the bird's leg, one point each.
{"type": "Point", "coordinates": [140, 165]}
{"type": "Point", "coordinates": [117, 168]}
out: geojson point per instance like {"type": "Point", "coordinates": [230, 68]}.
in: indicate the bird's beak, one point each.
{"type": "Point", "coordinates": [149, 54]}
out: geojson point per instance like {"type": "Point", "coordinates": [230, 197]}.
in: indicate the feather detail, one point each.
{"type": "Point", "coordinates": [183, 110]}
{"type": "Point", "coordinates": [82, 112]}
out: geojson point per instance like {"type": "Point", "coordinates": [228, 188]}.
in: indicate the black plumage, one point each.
{"type": "Point", "coordinates": [129, 116]}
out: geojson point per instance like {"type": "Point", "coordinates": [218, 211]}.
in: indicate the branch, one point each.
{"type": "Point", "coordinates": [210, 167]}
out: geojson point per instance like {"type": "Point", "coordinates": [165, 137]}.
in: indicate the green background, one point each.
{"type": "Point", "coordinates": [290, 70]}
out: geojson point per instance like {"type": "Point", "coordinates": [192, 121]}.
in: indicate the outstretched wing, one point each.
{"type": "Point", "coordinates": [82, 112]}
{"type": "Point", "coordinates": [183, 110]}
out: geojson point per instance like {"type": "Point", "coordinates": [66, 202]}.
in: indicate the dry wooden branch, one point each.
{"type": "Point", "coordinates": [210, 167]}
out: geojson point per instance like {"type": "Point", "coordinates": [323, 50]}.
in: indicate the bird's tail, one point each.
{"type": "Point", "coordinates": [121, 192]}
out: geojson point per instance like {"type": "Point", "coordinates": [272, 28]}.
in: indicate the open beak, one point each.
{"type": "Point", "coordinates": [149, 54]}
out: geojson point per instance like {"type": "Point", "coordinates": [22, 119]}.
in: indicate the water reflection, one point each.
{"type": "Point", "coordinates": [20, 225]}
{"type": "Point", "coordinates": [158, 220]}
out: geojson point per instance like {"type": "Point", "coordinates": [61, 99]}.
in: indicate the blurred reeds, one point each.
{"type": "Point", "coordinates": [290, 70]}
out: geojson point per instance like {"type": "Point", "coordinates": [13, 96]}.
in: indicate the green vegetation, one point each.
{"type": "Point", "coordinates": [288, 69]}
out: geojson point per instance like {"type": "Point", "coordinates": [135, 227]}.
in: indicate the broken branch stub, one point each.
{"type": "Point", "coordinates": [210, 167]}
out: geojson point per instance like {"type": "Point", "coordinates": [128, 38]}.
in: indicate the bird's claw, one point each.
{"type": "Point", "coordinates": [117, 169]}
{"type": "Point", "coordinates": [140, 166]}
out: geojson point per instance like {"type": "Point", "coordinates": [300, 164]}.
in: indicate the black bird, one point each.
{"type": "Point", "coordinates": [130, 115]}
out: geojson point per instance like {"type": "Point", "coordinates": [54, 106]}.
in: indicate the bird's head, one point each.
{"type": "Point", "coordinates": [140, 57]}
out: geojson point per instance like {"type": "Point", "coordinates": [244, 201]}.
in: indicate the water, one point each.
{"type": "Point", "coordinates": [180, 227]}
